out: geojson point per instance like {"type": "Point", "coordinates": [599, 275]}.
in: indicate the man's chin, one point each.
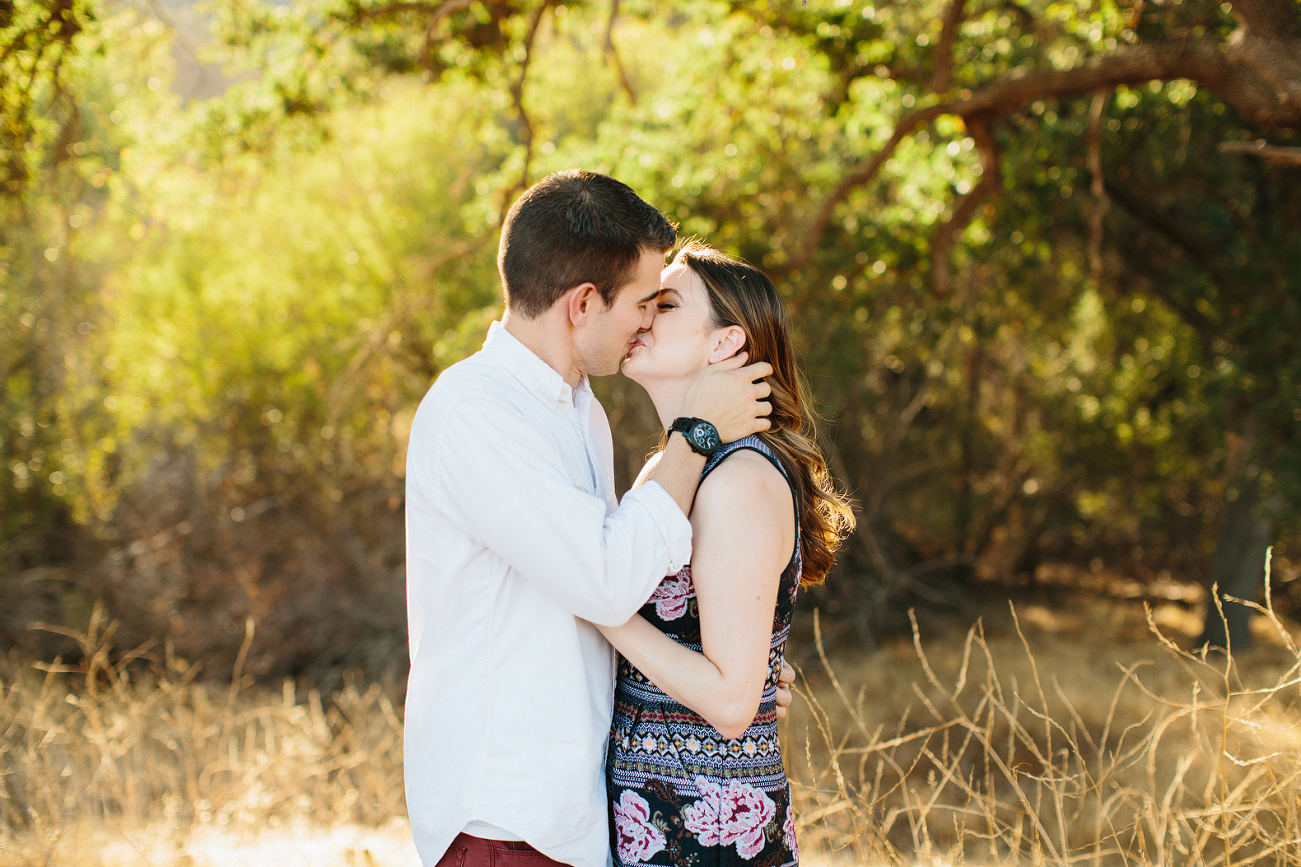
{"type": "Point", "coordinates": [608, 368]}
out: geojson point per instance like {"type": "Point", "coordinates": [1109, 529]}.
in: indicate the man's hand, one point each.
{"type": "Point", "coordinates": [731, 397]}
{"type": "Point", "coordinates": [784, 681]}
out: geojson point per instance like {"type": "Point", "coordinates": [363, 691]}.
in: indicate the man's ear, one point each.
{"type": "Point", "coordinates": [584, 300]}
{"type": "Point", "coordinates": [729, 342]}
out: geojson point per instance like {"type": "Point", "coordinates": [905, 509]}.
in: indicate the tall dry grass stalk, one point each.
{"type": "Point", "coordinates": [111, 747]}
{"type": "Point", "coordinates": [987, 750]}
{"type": "Point", "coordinates": [1186, 760]}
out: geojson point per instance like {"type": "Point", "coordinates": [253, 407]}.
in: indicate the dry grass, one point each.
{"type": "Point", "coordinates": [114, 762]}
{"type": "Point", "coordinates": [1081, 750]}
{"type": "Point", "coordinates": [974, 751]}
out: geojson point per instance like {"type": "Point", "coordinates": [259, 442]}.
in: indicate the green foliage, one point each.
{"type": "Point", "coordinates": [318, 293]}
{"type": "Point", "coordinates": [40, 46]}
{"type": "Point", "coordinates": [258, 288]}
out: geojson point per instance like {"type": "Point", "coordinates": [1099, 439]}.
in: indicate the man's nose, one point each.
{"type": "Point", "coordinates": [647, 319]}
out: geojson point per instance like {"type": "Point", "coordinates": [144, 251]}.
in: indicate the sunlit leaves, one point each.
{"type": "Point", "coordinates": [286, 267]}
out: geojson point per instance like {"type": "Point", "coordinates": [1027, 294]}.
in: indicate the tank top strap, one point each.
{"type": "Point", "coordinates": [754, 443]}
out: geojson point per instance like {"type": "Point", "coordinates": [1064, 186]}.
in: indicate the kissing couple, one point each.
{"type": "Point", "coordinates": [595, 681]}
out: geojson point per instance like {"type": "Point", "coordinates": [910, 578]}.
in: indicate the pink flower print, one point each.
{"type": "Point", "coordinates": [701, 817]}
{"type": "Point", "coordinates": [671, 596]}
{"type": "Point", "coordinates": [639, 840]}
{"type": "Point", "coordinates": [788, 829]}
{"type": "Point", "coordinates": [735, 814]}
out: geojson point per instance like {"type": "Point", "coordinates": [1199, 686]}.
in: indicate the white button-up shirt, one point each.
{"type": "Point", "coordinates": [514, 541]}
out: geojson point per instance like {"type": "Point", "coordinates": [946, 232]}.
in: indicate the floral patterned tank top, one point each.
{"type": "Point", "coordinates": [680, 793]}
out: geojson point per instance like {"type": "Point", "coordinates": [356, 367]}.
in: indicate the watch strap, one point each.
{"type": "Point", "coordinates": [684, 426]}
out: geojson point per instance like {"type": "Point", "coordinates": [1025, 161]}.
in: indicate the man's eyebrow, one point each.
{"type": "Point", "coordinates": [651, 297]}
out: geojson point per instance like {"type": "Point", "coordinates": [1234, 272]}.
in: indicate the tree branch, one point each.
{"type": "Point", "coordinates": [857, 178]}
{"type": "Point", "coordinates": [1025, 15]}
{"type": "Point", "coordinates": [517, 94]}
{"type": "Point", "coordinates": [1219, 67]}
{"type": "Point", "coordinates": [867, 542]}
{"type": "Point", "coordinates": [435, 11]}
{"type": "Point", "coordinates": [1204, 61]}
{"type": "Point", "coordinates": [1268, 19]}
{"type": "Point", "coordinates": [26, 359]}
{"type": "Point", "coordinates": [1157, 283]}
{"type": "Point", "coordinates": [965, 207]}
{"type": "Point", "coordinates": [1201, 61]}
{"type": "Point", "coordinates": [1274, 153]}
{"type": "Point", "coordinates": [992, 518]}
{"type": "Point", "coordinates": [1183, 240]}
{"type": "Point", "coordinates": [1182, 236]}
{"type": "Point", "coordinates": [942, 80]}
{"type": "Point", "coordinates": [1268, 45]}
{"type": "Point", "coordinates": [1097, 185]}
{"type": "Point", "coordinates": [612, 54]}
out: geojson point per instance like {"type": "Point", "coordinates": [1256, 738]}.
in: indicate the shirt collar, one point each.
{"type": "Point", "coordinates": [533, 373]}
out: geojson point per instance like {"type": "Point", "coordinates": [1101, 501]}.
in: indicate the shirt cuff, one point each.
{"type": "Point", "coordinates": [672, 524]}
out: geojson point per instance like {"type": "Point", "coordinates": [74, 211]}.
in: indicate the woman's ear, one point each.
{"type": "Point", "coordinates": [730, 341]}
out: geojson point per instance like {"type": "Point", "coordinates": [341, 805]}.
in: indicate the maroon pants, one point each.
{"type": "Point", "coordinates": [467, 851]}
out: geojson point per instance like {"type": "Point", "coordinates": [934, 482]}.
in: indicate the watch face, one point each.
{"type": "Point", "coordinates": [705, 436]}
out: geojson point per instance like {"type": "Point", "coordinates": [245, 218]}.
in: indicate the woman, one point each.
{"type": "Point", "coordinates": [694, 766]}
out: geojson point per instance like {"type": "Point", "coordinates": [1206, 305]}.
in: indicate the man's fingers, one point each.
{"type": "Point", "coordinates": [762, 390]}
{"type": "Point", "coordinates": [784, 680]}
{"type": "Point", "coordinates": [758, 370]}
{"type": "Point", "coordinates": [783, 699]}
{"type": "Point", "coordinates": [735, 362]}
{"type": "Point", "coordinates": [761, 424]}
{"type": "Point", "coordinates": [763, 407]}
{"type": "Point", "coordinates": [787, 674]}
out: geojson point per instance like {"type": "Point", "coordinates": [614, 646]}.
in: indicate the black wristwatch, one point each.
{"type": "Point", "coordinates": [700, 434]}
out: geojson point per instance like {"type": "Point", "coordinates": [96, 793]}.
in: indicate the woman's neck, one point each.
{"type": "Point", "coordinates": [668, 398]}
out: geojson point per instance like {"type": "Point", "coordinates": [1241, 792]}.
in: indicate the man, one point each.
{"type": "Point", "coordinates": [514, 542]}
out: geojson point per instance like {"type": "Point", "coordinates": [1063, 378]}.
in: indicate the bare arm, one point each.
{"type": "Point", "coordinates": [744, 530]}
{"type": "Point", "coordinates": [787, 676]}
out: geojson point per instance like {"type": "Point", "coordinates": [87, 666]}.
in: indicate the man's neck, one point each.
{"type": "Point", "coordinates": [547, 337]}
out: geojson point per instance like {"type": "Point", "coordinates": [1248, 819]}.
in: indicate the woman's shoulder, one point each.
{"type": "Point", "coordinates": [745, 476]}
{"type": "Point", "coordinates": [746, 506]}
{"type": "Point", "coordinates": [749, 452]}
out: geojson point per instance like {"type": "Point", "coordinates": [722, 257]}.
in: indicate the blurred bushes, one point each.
{"type": "Point", "coordinates": [271, 331]}
{"type": "Point", "coordinates": [220, 315]}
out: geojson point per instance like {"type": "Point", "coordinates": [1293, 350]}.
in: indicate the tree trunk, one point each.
{"type": "Point", "coordinates": [1238, 570]}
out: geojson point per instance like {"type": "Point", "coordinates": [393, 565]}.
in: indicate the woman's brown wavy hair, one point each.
{"type": "Point", "coordinates": [742, 295]}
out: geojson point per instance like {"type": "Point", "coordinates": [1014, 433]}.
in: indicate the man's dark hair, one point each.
{"type": "Point", "coordinates": [575, 227]}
